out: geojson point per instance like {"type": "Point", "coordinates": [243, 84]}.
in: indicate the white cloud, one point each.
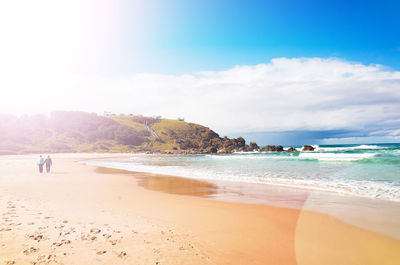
{"type": "Point", "coordinates": [285, 94]}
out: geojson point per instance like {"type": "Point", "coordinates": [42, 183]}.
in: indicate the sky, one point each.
{"type": "Point", "coordinates": [276, 71]}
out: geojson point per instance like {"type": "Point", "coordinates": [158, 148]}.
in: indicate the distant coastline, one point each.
{"type": "Point", "coordinates": [82, 132]}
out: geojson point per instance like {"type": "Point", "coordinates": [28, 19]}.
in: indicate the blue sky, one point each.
{"type": "Point", "coordinates": [213, 35]}
{"type": "Point", "coordinates": [279, 71]}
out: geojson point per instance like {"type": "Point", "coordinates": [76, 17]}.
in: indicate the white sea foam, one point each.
{"type": "Point", "coordinates": [244, 156]}
{"type": "Point", "coordinates": [346, 148]}
{"type": "Point", "coordinates": [321, 156]}
{"type": "Point", "coordinates": [368, 189]}
{"type": "Point", "coordinates": [336, 156]}
{"type": "Point", "coordinates": [247, 152]}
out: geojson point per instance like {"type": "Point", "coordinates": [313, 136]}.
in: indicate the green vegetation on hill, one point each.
{"type": "Point", "coordinates": [130, 121]}
{"type": "Point", "coordinates": [66, 131]}
{"type": "Point", "coordinates": [74, 131]}
{"type": "Point", "coordinates": [180, 135]}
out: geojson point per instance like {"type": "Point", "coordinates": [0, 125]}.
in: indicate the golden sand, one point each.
{"type": "Point", "coordinates": [77, 215]}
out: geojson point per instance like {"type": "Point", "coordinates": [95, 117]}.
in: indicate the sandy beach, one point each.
{"type": "Point", "coordinates": [80, 214]}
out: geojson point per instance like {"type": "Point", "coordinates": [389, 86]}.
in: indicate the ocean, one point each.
{"type": "Point", "coordinates": [371, 170]}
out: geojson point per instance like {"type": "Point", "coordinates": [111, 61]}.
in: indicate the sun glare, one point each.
{"type": "Point", "coordinates": [42, 41]}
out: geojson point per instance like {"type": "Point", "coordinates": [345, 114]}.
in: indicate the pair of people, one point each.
{"type": "Point", "coordinates": [41, 162]}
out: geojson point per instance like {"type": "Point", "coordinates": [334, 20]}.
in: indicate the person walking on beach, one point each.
{"type": "Point", "coordinates": [48, 163]}
{"type": "Point", "coordinates": [40, 163]}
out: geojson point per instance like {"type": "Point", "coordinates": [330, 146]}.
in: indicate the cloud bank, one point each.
{"type": "Point", "coordinates": [300, 94]}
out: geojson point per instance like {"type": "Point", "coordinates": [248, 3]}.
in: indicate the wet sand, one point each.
{"type": "Point", "coordinates": [77, 215]}
{"type": "Point", "coordinates": [376, 215]}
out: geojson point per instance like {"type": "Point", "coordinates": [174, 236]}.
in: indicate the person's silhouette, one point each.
{"type": "Point", "coordinates": [40, 163]}
{"type": "Point", "coordinates": [48, 163]}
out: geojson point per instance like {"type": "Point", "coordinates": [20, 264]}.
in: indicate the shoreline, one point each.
{"type": "Point", "coordinates": [371, 214]}
{"type": "Point", "coordinates": [273, 185]}
{"type": "Point", "coordinates": [150, 227]}
{"type": "Point", "coordinates": [335, 188]}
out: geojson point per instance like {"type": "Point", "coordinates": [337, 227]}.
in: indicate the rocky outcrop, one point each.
{"type": "Point", "coordinates": [272, 148]}
{"type": "Point", "coordinates": [212, 149]}
{"type": "Point", "coordinates": [279, 148]}
{"type": "Point", "coordinates": [268, 148]}
{"type": "Point", "coordinates": [253, 146]}
{"type": "Point", "coordinates": [291, 149]}
{"type": "Point", "coordinates": [214, 144]}
{"type": "Point", "coordinates": [308, 148]}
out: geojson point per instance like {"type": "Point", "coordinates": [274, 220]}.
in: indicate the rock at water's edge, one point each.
{"type": "Point", "coordinates": [308, 148]}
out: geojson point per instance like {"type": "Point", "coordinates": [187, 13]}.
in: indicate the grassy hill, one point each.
{"type": "Point", "coordinates": [67, 131]}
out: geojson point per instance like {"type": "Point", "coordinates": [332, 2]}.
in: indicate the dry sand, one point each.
{"type": "Point", "coordinates": [79, 215]}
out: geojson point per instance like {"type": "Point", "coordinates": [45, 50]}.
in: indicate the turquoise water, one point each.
{"type": "Point", "coordinates": [362, 170]}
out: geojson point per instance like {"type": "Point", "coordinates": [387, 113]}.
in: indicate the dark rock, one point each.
{"type": "Point", "coordinates": [253, 146]}
{"type": "Point", "coordinates": [272, 148]}
{"type": "Point", "coordinates": [269, 148]}
{"type": "Point", "coordinates": [279, 148]}
{"type": "Point", "coordinates": [240, 142]}
{"type": "Point", "coordinates": [222, 151]}
{"type": "Point", "coordinates": [212, 149]}
{"type": "Point", "coordinates": [291, 149]}
{"type": "Point", "coordinates": [308, 148]}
